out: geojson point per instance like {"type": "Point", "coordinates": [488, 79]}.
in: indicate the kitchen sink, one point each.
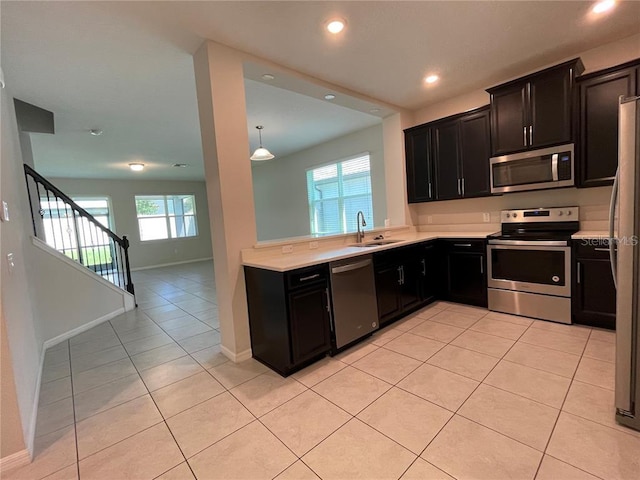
{"type": "Point", "coordinates": [376, 243]}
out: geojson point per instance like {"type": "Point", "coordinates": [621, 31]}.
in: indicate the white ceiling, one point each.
{"type": "Point", "coordinates": [126, 67]}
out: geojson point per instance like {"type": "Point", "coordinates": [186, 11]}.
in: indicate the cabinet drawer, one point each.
{"type": "Point", "coordinates": [465, 245]}
{"type": "Point", "coordinates": [307, 276]}
{"type": "Point", "coordinates": [592, 248]}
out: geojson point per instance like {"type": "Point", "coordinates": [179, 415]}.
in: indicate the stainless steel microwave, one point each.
{"type": "Point", "coordinates": [533, 170]}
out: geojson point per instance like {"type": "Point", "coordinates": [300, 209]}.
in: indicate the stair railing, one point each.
{"type": "Point", "coordinates": [70, 229]}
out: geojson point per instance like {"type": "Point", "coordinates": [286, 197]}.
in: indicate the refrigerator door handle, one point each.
{"type": "Point", "coordinates": [613, 255]}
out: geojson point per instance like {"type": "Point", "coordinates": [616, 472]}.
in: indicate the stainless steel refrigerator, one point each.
{"type": "Point", "coordinates": [625, 263]}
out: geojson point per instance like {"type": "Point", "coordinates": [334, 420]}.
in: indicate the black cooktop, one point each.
{"type": "Point", "coordinates": [537, 231]}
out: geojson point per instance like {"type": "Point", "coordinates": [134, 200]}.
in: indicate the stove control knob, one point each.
{"type": "Point", "coordinates": [515, 215]}
{"type": "Point", "coordinates": [560, 213]}
{"type": "Point", "coordinates": [507, 215]}
{"type": "Point", "coordinates": [569, 212]}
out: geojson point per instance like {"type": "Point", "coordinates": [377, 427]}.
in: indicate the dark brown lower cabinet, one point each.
{"type": "Point", "coordinates": [594, 294]}
{"type": "Point", "coordinates": [289, 317]}
{"type": "Point", "coordinates": [466, 272]}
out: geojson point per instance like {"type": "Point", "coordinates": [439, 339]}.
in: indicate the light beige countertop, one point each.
{"type": "Point", "coordinates": [582, 234]}
{"type": "Point", "coordinates": [283, 262]}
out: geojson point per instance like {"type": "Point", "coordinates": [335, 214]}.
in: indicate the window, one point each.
{"type": "Point", "coordinates": [73, 235]}
{"type": "Point", "coordinates": [337, 192]}
{"type": "Point", "coordinates": [166, 216]}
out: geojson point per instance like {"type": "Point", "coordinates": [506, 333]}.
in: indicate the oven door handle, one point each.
{"type": "Point", "coordinates": [529, 243]}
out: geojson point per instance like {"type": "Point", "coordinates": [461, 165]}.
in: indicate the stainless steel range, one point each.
{"type": "Point", "coordinates": [529, 263]}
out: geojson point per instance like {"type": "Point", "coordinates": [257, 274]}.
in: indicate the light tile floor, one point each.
{"type": "Point", "coordinates": [450, 392]}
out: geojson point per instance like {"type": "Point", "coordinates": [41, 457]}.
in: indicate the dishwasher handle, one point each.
{"type": "Point", "coordinates": [351, 266]}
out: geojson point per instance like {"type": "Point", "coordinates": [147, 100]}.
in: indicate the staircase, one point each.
{"type": "Point", "coordinates": [70, 229]}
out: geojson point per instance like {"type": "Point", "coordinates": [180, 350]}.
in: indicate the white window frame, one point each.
{"type": "Point", "coordinates": [166, 215]}
{"type": "Point", "coordinates": [341, 197]}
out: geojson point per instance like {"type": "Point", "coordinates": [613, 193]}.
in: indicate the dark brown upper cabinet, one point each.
{"type": "Point", "coordinates": [449, 158]}
{"type": "Point", "coordinates": [534, 111]}
{"type": "Point", "coordinates": [598, 94]}
{"type": "Point", "coordinates": [419, 158]}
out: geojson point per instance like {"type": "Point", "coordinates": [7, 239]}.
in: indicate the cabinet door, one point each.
{"type": "Point", "coordinates": [387, 291]}
{"type": "Point", "coordinates": [598, 145]}
{"type": "Point", "coordinates": [594, 299]}
{"type": "Point", "coordinates": [446, 157]}
{"type": "Point", "coordinates": [467, 278]}
{"type": "Point", "coordinates": [509, 119]}
{"type": "Point", "coordinates": [309, 320]}
{"type": "Point", "coordinates": [419, 169]}
{"type": "Point", "coordinates": [475, 152]}
{"type": "Point", "coordinates": [430, 273]}
{"type": "Point", "coordinates": [410, 287]}
{"type": "Point", "coordinates": [550, 100]}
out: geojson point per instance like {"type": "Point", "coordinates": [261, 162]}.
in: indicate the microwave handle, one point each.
{"type": "Point", "coordinates": [554, 167]}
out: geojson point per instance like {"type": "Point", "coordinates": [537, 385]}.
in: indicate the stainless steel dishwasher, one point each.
{"type": "Point", "coordinates": [353, 296]}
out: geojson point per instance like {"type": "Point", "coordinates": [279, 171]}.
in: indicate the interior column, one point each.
{"type": "Point", "coordinates": [225, 146]}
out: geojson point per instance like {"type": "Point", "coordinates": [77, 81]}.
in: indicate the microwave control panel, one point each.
{"type": "Point", "coordinates": [564, 166]}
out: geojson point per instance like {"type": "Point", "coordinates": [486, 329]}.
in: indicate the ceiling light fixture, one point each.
{"type": "Point", "coordinates": [432, 78]}
{"type": "Point", "coordinates": [374, 110]}
{"type": "Point", "coordinates": [180, 165]}
{"type": "Point", "coordinates": [267, 76]}
{"type": "Point", "coordinates": [96, 132]}
{"type": "Point", "coordinates": [329, 96]}
{"type": "Point", "coordinates": [336, 26]}
{"type": "Point", "coordinates": [603, 6]}
{"type": "Point", "coordinates": [136, 167]}
{"type": "Point", "coordinates": [261, 153]}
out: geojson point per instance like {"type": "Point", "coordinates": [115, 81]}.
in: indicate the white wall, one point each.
{"type": "Point", "coordinates": [467, 213]}
{"type": "Point", "coordinates": [122, 194]}
{"type": "Point", "coordinates": [69, 296]}
{"type": "Point", "coordinates": [280, 185]}
{"type": "Point", "coordinates": [23, 331]}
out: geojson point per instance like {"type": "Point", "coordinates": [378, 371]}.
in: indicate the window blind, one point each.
{"type": "Point", "coordinates": [337, 192]}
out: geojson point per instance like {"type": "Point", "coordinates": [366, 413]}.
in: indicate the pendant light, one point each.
{"type": "Point", "coordinates": [261, 153]}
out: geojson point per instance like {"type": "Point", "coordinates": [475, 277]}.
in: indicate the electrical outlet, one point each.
{"type": "Point", "coordinates": [486, 217]}
{"type": "Point", "coordinates": [287, 249]}
{"type": "Point", "coordinates": [11, 262]}
{"type": "Point", "coordinates": [387, 223]}
{"type": "Point", "coordinates": [429, 219]}
{"type": "Point", "coordinates": [313, 245]}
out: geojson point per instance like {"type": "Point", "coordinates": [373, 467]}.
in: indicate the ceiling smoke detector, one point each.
{"type": "Point", "coordinates": [180, 165]}
{"type": "Point", "coordinates": [96, 132]}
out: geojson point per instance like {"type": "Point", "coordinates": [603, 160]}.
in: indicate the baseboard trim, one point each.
{"type": "Point", "coordinates": [82, 328]}
{"type": "Point", "coordinates": [31, 433]}
{"type": "Point", "coordinates": [236, 357]}
{"type": "Point", "coordinates": [137, 269]}
{"type": "Point", "coordinates": [15, 460]}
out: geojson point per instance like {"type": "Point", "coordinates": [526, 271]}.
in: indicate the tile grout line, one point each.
{"type": "Point", "coordinates": [471, 394]}
{"type": "Point", "coordinates": [164, 421]}
{"type": "Point", "coordinates": [555, 424]}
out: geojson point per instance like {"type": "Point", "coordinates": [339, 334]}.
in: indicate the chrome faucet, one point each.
{"type": "Point", "coordinates": [360, 234]}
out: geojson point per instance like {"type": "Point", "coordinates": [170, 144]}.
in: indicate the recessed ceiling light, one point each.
{"type": "Point", "coordinates": [432, 78]}
{"type": "Point", "coordinates": [268, 76]}
{"type": "Point", "coordinates": [374, 110]}
{"type": "Point", "coordinates": [329, 96]}
{"type": "Point", "coordinates": [603, 6]}
{"type": "Point", "coordinates": [180, 165]}
{"type": "Point", "coordinates": [336, 26]}
{"type": "Point", "coordinates": [136, 167]}
{"type": "Point", "coordinates": [96, 132]}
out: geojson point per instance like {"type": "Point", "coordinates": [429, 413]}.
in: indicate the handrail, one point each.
{"type": "Point", "coordinates": [113, 265]}
{"type": "Point", "coordinates": [59, 193]}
